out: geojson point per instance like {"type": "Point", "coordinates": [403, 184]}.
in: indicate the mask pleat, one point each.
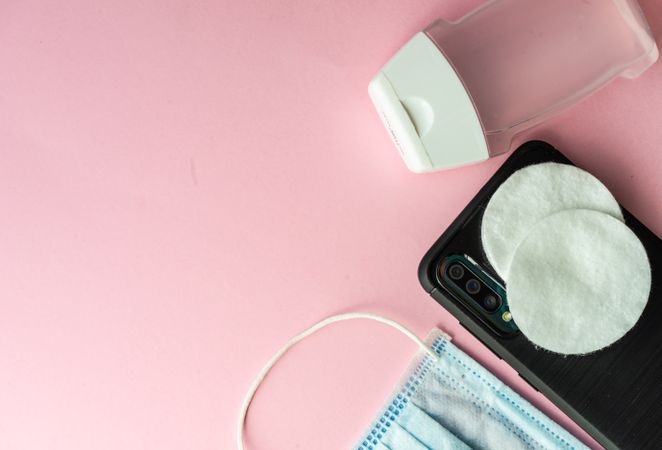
{"type": "Point", "coordinates": [428, 431]}
{"type": "Point", "coordinates": [399, 438]}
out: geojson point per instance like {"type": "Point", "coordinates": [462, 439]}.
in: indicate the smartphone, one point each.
{"type": "Point", "coordinates": [615, 394]}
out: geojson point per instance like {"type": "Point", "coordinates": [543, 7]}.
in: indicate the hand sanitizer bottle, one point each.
{"type": "Point", "coordinates": [459, 92]}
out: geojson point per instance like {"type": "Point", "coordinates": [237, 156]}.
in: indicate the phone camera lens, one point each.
{"type": "Point", "coordinates": [473, 286]}
{"type": "Point", "coordinates": [491, 303]}
{"type": "Point", "coordinates": [456, 271]}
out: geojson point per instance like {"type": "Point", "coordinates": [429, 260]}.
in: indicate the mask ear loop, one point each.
{"type": "Point", "coordinates": [304, 334]}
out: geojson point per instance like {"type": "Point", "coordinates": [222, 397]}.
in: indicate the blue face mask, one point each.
{"type": "Point", "coordinates": [447, 401]}
{"type": "Point", "coordinates": [452, 402]}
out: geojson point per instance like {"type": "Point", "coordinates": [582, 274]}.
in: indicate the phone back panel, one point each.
{"type": "Point", "coordinates": [615, 394]}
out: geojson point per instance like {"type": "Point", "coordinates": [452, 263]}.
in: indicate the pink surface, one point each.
{"type": "Point", "coordinates": [186, 185]}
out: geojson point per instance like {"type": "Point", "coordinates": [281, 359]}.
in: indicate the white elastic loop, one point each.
{"type": "Point", "coordinates": [304, 334]}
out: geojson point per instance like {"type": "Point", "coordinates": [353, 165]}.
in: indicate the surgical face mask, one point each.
{"type": "Point", "coordinates": [445, 401]}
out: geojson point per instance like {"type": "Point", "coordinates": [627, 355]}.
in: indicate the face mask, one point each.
{"type": "Point", "coordinates": [446, 401]}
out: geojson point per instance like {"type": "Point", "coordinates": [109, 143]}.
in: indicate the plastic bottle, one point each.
{"type": "Point", "coordinates": [459, 92]}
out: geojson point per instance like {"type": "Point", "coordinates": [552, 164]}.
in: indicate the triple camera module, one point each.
{"type": "Point", "coordinates": [469, 283]}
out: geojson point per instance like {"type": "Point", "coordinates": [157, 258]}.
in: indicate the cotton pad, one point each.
{"type": "Point", "coordinates": [578, 282]}
{"type": "Point", "coordinates": [531, 194]}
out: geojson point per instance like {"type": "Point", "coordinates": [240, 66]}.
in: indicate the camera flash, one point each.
{"type": "Point", "coordinates": [506, 316]}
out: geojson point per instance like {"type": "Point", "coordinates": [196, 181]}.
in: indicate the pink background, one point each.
{"type": "Point", "coordinates": [185, 185]}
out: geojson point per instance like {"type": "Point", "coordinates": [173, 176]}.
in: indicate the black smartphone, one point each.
{"type": "Point", "coordinates": [615, 394]}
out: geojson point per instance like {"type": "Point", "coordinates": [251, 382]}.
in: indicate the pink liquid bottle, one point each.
{"type": "Point", "coordinates": [459, 92]}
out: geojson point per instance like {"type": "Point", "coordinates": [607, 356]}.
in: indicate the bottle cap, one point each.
{"type": "Point", "coordinates": [427, 110]}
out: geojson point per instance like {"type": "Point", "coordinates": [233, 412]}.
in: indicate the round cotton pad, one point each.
{"type": "Point", "coordinates": [578, 282]}
{"type": "Point", "coordinates": [531, 194]}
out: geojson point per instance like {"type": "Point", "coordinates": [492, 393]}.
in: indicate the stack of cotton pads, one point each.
{"type": "Point", "coordinates": [577, 278]}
